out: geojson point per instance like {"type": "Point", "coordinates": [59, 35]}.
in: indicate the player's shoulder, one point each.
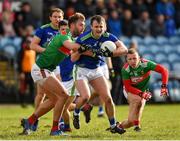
{"type": "Point", "coordinates": [126, 67]}
{"type": "Point", "coordinates": [45, 26]}
{"type": "Point", "coordinates": [143, 60]}
{"type": "Point", "coordinates": [84, 36]}
{"type": "Point", "coordinates": [106, 34]}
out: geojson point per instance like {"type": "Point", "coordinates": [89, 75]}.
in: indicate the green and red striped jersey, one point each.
{"type": "Point", "coordinates": [55, 52]}
{"type": "Point", "coordinates": [139, 77]}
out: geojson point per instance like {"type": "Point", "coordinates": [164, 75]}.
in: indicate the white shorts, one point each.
{"type": "Point", "coordinates": [80, 73]}
{"type": "Point", "coordinates": [105, 70]}
{"type": "Point", "coordinates": [70, 87]}
{"type": "Point", "coordinates": [125, 93]}
{"type": "Point", "coordinates": [40, 74]}
{"type": "Point", "coordinates": [57, 70]}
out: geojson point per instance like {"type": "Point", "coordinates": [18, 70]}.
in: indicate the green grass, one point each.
{"type": "Point", "coordinates": [159, 122]}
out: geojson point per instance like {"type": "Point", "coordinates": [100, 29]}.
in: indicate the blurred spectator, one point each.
{"type": "Point", "coordinates": [139, 6]}
{"type": "Point", "coordinates": [170, 26]}
{"type": "Point", "coordinates": [19, 24]}
{"type": "Point", "coordinates": [6, 6]}
{"type": "Point", "coordinates": [143, 25]}
{"type": "Point", "coordinates": [165, 7]}
{"type": "Point", "coordinates": [127, 23]}
{"type": "Point", "coordinates": [87, 8]}
{"type": "Point", "coordinates": [114, 23]}
{"type": "Point", "coordinates": [28, 17]}
{"type": "Point", "coordinates": [6, 25]}
{"type": "Point", "coordinates": [158, 26]}
{"type": "Point", "coordinates": [70, 10]}
{"type": "Point", "coordinates": [151, 8]}
{"type": "Point", "coordinates": [26, 58]}
{"type": "Point", "coordinates": [117, 84]}
{"type": "Point", "coordinates": [177, 13]}
{"type": "Point", "coordinates": [128, 4]}
{"type": "Point", "coordinates": [100, 6]}
{"type": "Point", "coordinates": [114, 5]}
{"type": "Point", "coordinates": [29, 30]}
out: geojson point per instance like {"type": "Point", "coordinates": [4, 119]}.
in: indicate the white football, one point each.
{"type": "Point", "coordinates": [108, 44]}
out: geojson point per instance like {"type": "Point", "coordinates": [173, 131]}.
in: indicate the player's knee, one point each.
{"type": "Point", "coordinates": [139, 103]}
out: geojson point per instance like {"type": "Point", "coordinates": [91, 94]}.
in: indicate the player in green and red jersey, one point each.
{"type": "Point", "coordinates": [136, 76]}
{"type": "Point", "coordinates": [42, 72]}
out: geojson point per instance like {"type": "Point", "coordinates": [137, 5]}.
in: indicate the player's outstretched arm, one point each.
{"type": "Point", "coordinates": [165, 75]}
{"type": "Point", "coordinates": [35, 45]}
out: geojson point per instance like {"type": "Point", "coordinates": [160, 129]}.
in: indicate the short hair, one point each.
{"type": "Point", "coordinates": [56, 10]}
{"type": "Point", "coordinates": [97, 18]}
{"type": "Point", "coordinates": [75, 17]}
{"type": "Point", "coordinates": [63, 22]}
{"type": "Point", "coordinates": [132, 51]}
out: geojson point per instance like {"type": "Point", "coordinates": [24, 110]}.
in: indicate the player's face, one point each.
{"type": "Point", "coordinates": [56, 18]}
{"type": "Point", "coordinates": [133, 59]}
{"type": "Point", "coordinates": [98, 28]}
{"type": "Point", "coordinates": [63, 28]}
{"type": "Point", "coordinates": [79, 27]}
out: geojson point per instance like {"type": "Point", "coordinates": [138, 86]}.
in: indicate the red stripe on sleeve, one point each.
{"type": "Point", "coordinates": [130, 88]}
{"type": "Point", "coordinates": [164, 73]}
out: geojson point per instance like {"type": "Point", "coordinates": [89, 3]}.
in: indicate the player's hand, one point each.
{"type": "Point", "coordinates": [96, 52]}
{"type": "Point", "coordinates": [83, 48]}
{"type": "Point", "coordinates": [164, 90]}
{"type": "Point", "coordinates": [106, 52]}
{"type": "Point", "coordinates": [111, 73]}
{"type": "Point", "coordinates": [146, 95]}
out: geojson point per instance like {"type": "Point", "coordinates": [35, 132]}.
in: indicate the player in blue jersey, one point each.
{"type": "Point", "coordinates": [66, 69]}
{"type": "Point", "coordinates": [87, 69]}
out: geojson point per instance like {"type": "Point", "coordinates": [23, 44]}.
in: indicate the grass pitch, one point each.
{"type": "Point", "coordinates": [159, 122]}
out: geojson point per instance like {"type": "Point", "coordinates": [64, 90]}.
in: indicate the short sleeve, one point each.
{"type": "Point", "coordinates": [113, 38]}
{"type": "Point", "coordinates": [39, 33]}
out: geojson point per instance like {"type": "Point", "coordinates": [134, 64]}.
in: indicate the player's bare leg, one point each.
{"type": "Point", "coordinates": [40, 95]}
{"type": "Point", "coordinates": [136, 105]}
{"type": "Point", "coordinates": [100, 85]}
{"type": "Point", "coordinates": [83, 88]}
{"type": "Point", "coordinates": [66, 114]}
{"type": "Point", "coordinates": [54, 90]}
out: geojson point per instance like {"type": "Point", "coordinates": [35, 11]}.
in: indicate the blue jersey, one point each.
{"type": "Point", "coordinates": [66, 68]}
{"type": "Point", "coordinates": [45, 33]}
{"type": "Point", "coordinates": [103, 61]}
{"type": "Point", "coordinates": [88, 39]}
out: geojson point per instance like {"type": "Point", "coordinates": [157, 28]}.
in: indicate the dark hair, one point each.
{"type": "Point", "coordinates": [25, 3]}
{"type": "Point", "coordinates": [97, 18]}
{"type": "Point", "coordinates": [131, 51]}
{"type": "Point", "coordinates": [75, 17]}
{"type": "Point", "coordinates": [56, 10]}
{"type": "Point", "coordinates": [63, 22]}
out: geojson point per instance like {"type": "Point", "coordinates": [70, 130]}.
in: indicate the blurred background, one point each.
{"type": "Point", "coordinates": [151, 26]}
